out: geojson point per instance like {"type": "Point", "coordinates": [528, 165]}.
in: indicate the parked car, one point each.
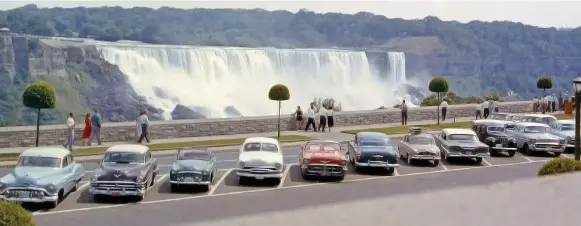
{"type": "Point", "coordinates": [126, 170]}
{"type": "Point", "coordinates": [566, 130]}
{"type": "Point", "coordinates": [260, 158]}
{"type": "Point", "coordinates": [493, 134]}
{"type": "Point", "coordinates": [461, 143]}
{"type": "Point", "coordinates": [193, 166]}
{"type": "Point", "coordinates": [420, 146]}
{"type": "Point", "coordinates": [42, 175]}
{"type": "Point", "coordinates": [323, 159]}
{"type": "Point", "coordinates": [373, 150]}
{"type": "Point", "coordinates": [538, 118]}
{"type": "Point", "coordinates": [509, 119]}
{"type": "Point", "coordinates": [536, 137]}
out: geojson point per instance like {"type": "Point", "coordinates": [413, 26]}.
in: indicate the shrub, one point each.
{"type": "Point", "coordinates": [559, 166]}
{"type": "Point", "coordinates": [12, 214]}
{"type": "Point", "coordinates": [279, 92]}
{"type": "Point", "coordinates": [39, 95]}
{"type": "Point", "coordinates": [544, 83]}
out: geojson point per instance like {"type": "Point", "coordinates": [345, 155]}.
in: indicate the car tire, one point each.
{"type": "Point", "coordinates": [390, 171]}
{"type": "Point", "coordinates": [492, 152]}
{"type": "Point", "coordinates": [97, 198]}
{"type": "Point", "coordinates": [152, 180]}
{"type": "Point", "coordinates": [173, 188]}
{"type": "Point", "coordinates": [76, 187]}
{"type": "Point", "coordinates": [277, 181]}
{"type": "Point", "coordinates": [54, 204]}
{"type": "Point", "coordinates": [436, 163]}
{"type": "Point", "coordinates": [341, 178]}
{"type": "Point", "coordinates": [242, 180]}
{"type": "Point", "coordinates": [557, 154]}
{"type": "Point", "coordinates": [305, 177]}
{"type": "Point", "coordinates": [478, 161]}
{"type": "Point", "coordinates": [511, 153]}
{"type": "Point", "coordinates": [526, 149]}
{"type": "Point", "coordinates": [409, 160]}
{"type": "Point", "coordinates": [206, 188]}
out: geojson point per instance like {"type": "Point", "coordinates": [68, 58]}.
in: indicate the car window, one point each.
{"type": "Point", "coordinates": [497, 117]}
{"type": "Point", "coordinates": [462, 137]}
{"type": "Point", "coordinates": [544, 120]}
{"type": "Point", "coordinates": [124, 157]}
{"type": "Point", "coordinates": [421, 140]}
{"type": "Point", "coordinates": [567, 127]}
{"type": "Point", "coordinates": [496, 129]}
{"type": "Point", "coordinates": [374, 142]}
{"type": "Point", "coordinates": [39, 161]}
{"type": "Point", "coordinates": [536, 129]}
{"type": "Point", "coordinates": [65, 162]}
{"type": "Point", "coordinates": [194, 155]}
{"type": "Point", "coordinates": [320, 147]}
{"type": "Point", "coordinates": [261, 147]}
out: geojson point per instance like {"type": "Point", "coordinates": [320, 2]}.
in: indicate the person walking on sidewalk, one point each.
{"type": "Point", "coordinates": [87, 130]}
{"type": "Point", "coordinates": [311, 118]}
{"type": "Point", "coordinates": [96, 124]}
{"type": "Point", "coordinates": [330, 120]}
{"type": "Point", "coordinates": [478, 110]}
{"type": "Point", "coordinates": [404, 113]}
{"type": "Point", "coordinates": [322, 118]}
{"type": "Point", "coordinates": [70, 132]}
{"type": "Point", "coordinates": [444, 107]}
{"type": "Point", "coordinates": [485, 110]}
{"type": "Point", "coordinates": [144, 122]}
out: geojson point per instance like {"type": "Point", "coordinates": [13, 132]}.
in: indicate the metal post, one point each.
{"type": "Point", "coordinates": [577, 122]}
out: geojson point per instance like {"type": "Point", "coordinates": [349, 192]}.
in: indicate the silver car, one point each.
{"type": "Point", "coordinates": [538, 118]}
{"type": "Point", "coordinates": [566, 130]}
{"type": "Point", "coordinates": [536, 137]}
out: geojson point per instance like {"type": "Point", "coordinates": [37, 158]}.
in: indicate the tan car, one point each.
{"type": "Point", "coordinates": [417, 145]}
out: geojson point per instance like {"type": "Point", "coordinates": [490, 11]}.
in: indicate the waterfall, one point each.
{"type": "Point", "coordinates": [214, 78]}
{"type": "Point", "coordinates": [396, 67]}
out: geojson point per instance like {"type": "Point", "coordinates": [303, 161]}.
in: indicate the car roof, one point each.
{"type": "Point", "coordinates": [371, 135]}
{"type": "Point", "coordinates": [323, 141]}
{"type": "Point", "coordinates": [261, 140]}
{"type": "Point", "coordinates": [566, 121]}
{"type": "Point", "coordinates": [539, 116]}
{"type": "Point", "coordinates": [458, 131]}
{"type": "Point", "coordinates": [195, 150]}
{"type": "Point", "coordinates": [490, 122]}
{"type": "Point", "coordinates": [133, 148]}
{"type": "Point", "coordinates": [531, 124]}
{"type": "Point", "coordinates": [53, 152]}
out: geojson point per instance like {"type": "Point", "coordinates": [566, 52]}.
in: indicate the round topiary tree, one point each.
{"type": "Point", "coordinates": [279, 92]}
{"type": "Point", "coordinates": [39, 95]}
{"type": "Point", "coordinates": [544, 83]}
{"type": "Point", "coordinates": [12, 214]}
{"type": "Point", "coordinates": [438, 85]}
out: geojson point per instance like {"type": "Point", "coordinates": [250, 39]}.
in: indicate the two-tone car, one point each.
{"type": "Point", "coordinates": [43, 175]}
{"type": "Point", "coordinates": [417, 145]}
{"type": "Point", "coordinates": [566, 130]}
{"type": "Point", "coordinates": [461, 143]}
{"type": "Point", "coordinates": [536, 137]}
{"type": "Point", "coordinates": [193, 167]}
{"type": "Point", "coordinates": [538, 118]}
{"type": "Point", "coordinates": [260, 158]}
{"type": "Point", "coordinates": [126, 170]}
{"type": "Point", "coordinates": [493, 133]}
{"type": "Point", "coordinates": [509, 119]}
{"type": "Point", "coordinates": [321, 158]}
{"type": "Point", "coordinates": [373, 150]}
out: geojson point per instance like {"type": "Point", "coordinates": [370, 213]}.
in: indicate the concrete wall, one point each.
{"type": "Point", "coordinates": [24, 136]}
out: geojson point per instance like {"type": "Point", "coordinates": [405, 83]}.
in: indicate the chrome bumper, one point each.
{"type": "Point", "coordinates": [547, 149]}
{"type": "Point", "coordinates": [306, 171]}
{"type": "Point", "coordinates": [426, 157]}
{"type": "Point", "coordinates": [376, 164]}
{"type": "Point", "coordinates": [106, 191]}
{"type": "Point", "coordinates": [31, 200]}
{"type": "Point", "coordinates": [460, 155]}
{"type": "Point", "coordinates": [190, 182]}
{"type": "Point", "coordinates": [259, 174]}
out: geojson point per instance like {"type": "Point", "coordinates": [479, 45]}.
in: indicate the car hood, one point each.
{"type": "Point", "coordinates": [260, 157]}
{"type": "Point", "coordinates": [191, 165]}
{"type": "Point", "coordinates": [541, 136]}
{"type": "Point", "coordinates": [425, 147]}
{"type": "Point", "coordinates": [376, 149]}
{"type": "Point", "coordinates": [570, 133]}
{"type": "Point", "coordinates": [118, 171]}
{"type": "Point", "coordinates": [32, 175]}
{"type": "Point", "coordinates": [466, 144]}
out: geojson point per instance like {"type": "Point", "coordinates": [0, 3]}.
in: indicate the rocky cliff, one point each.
{"type": "Point", "coordinates": [82, 80]}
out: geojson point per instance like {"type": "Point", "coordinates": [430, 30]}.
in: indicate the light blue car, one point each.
{"type": "Point", "coordinates": [566, 130]}
{"type": "Point", "coordinates": [42, 175]}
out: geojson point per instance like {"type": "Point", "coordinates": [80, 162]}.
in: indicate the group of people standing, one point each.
{"type": "Point", "coordinates": [549, 103]}
{"type": "Point", "coordinates": [483, 108]}
{"type": "Point", "coordinates": [324, 113]}
{"type": "Point", "coordinates": [404, 111]}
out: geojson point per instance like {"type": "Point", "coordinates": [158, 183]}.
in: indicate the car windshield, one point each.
{"type": "Point", "coordinates": [461, 137]}
{"type": "Point", "coordinates": [544, 120]}
{"type": "Point", "coordinates": [498, 117]}
{"type": "Point", "coordinates": [38, 161]}
{"type": "Point", "coordinates": [567, 127]}
{"type": "Point", "coordinates": [420, 140]}
{"type": "Point", "coordinates": [315, 147]}
{"type": "Point", "coordinates": [124, 157]}
{"type": "Point", "coordinates": [373, 142]}
{"type": "Point", "coordinates": [193, 155]}
{"type": "Point", "coordinates": [496, 129]}
{"type": "Point", "coordinates": [536, 129]}
{"type": "Point", "coordinates": [261, 147]}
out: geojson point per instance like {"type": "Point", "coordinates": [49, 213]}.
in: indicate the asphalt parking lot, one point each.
{"type": "Point", "coordinates": [226, 184]}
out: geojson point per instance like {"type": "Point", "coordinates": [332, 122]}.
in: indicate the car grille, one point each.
{"type": "Point", "coordinates": [113, 185]}
{"type": "Point", "coordinates": [187, 176]}
{"type": "Point", "coordinates": [572, 142]}
{"type": "Point", "coordinates": [24, 193]}
{"type": "Point", "coordinates": [502, 140]}
{"type": "Point", "coordinates": [547, 141]}
{"type": "Point", "coordinates": [325, 168]}
{"type": "Point", "coordinates": [547, 146]}
{"type": "Point", "coordinates": [426, 153]}
{"type": "Point", "coordinates": [260, 170]}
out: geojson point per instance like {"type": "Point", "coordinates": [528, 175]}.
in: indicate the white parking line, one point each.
{"type": "Point", "coordinates": [443, 165]}
{"type": "Point", "coordinates": [395, 172]}
{"type": "Point", "coordinates": [567, 156]}
{"type": "Point", "coordinates": [486, 162]}
{"type": "Point", "coordinates": [160, 179]}
{"type": "Point", "coordinates": [85, 184]}
{"type": "Point", "coordinates": [525, 157]}
{"type": "Point", "coordinates": [215, 186]}
{"type": "Point", "coordinates": [284, 174]}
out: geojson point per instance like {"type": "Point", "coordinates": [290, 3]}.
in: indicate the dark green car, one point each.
{"type": "Point", "coordinates": [193, 167]}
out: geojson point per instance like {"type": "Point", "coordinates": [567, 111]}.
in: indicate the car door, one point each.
{"type": "Point", "coordinates": [67, 173]}
{"type": "Point", "coordinates": [403, 146]}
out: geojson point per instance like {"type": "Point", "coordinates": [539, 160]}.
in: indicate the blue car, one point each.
{"type": "Point", "coordinates": [42, 175]}
{"type": "Point", "coordinates": [373, 150]}
{"type": "Point", "coordinates": [193, 167]}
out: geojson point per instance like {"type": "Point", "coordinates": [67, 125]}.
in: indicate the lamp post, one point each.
{"type": "Point", "coordinates": [577, 89]}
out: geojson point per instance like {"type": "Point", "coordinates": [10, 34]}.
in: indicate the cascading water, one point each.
{"type": "Point", "coordinates": [397, 67]}
{"type": "Point", "coordinates": [214, 78]}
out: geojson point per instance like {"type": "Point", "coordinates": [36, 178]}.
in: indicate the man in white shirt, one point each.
{"type": "Point", "coordinates": [478, 110]}
{"type": "Point", "coordinates": [496, 106]}
{"type": "Point", "coordinates": [444, 107]}
{"type": "Point", "coordinates": [485, 110]}
{"type": "Point", "coordinates": [70, 132]}
{"type": "Point", "coordinates": [311, 118]}
{"type": "Point", "coordinates": [544, 104]}
{"type": "Point", "coordinates": [322, 118]}
{"type": "Point", "coordinates": [535, 104]}
{"type": "Point", "coordinates": [553, 103]}
{"type": "Point", "coordinates": [144, 122]}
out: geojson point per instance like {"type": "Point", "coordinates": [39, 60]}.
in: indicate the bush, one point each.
{"type": "Point", "coordinates": [544, 83]}
{"type": "Point", "coordinates": [559, 166]}
{"type": "Point", "coordinates": [438, 85]}
{"type": "Point", "coordinates": [12, 214]}
{"type": "Point", "coordinates": [279, 92]}
{"type": "Point", "coordinates": [39, 95]}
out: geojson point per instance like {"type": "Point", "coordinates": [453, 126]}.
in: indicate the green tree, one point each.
{"type": "Point", "coordinates": [544, 83]}
{"type": "Point", "coordinates": [438, 85]}
{"type": "Point", "coordinates": [39, 95]}
{"type": "Point", "coordinates": [279, 92]}
{"type": "Point", "coordinates": [12, 214]}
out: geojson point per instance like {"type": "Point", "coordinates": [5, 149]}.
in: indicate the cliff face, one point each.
{"type": "Point", "coordinates": [82, 81]}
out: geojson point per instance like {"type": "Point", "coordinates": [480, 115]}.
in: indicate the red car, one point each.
{"type": "Point", "coordinates": [323, 159]}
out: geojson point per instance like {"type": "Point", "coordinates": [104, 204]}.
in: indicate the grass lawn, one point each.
{"type": "Point", "coordinates": [564, 116]}
{"type": "Point", "coordinates": [168, 146]}
{"type": "Point", "coordinates": [404, 129]}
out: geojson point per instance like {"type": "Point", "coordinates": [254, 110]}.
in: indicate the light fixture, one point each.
{"type": "Point", "coordinates": [577, 85]}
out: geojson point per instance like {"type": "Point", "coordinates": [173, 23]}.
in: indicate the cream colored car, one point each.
{"type": "Point", "coordinates": [418, 145]}
{"type": "Point", "coordinates": [260, 158]}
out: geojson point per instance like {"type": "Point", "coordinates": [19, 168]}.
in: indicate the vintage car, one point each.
{"type": "Point", "coordinates": [42, 175]}
{"type": "Point", "coordinates": [260, 158]}
{"type": "Point", "coordinates": [493, 134]}
{"type": "Point", "coordinates": [322, 158]}
{"type": "Point", "coordinates": [126, 170]}
{"type": "Point", "coordinates": [193, 166]}
{"type": "Point", "coordinates": [461, 143]}
{"type": "Point", "coordinates": [536, 137]}
{"type": "Point", "coordinates": [508, 118]}
{"type": "Point", "coordinates": [373, 150]}
{"type": "Point", "coordinates": [420, 146]}
{"type": "Point", "coordinates": [538, 118]}
{"type": "Point", "coordinates": [566, 130]}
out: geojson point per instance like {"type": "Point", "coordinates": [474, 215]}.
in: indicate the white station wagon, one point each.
{"type": "Point", "coordinates": [260, 158]}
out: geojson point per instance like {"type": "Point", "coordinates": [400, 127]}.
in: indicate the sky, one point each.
{"type": "Point", "coordinates": [560, 14]}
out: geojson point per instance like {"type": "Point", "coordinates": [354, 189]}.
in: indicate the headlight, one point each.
{"type": "Point", "coordinates": [568, 138]}
{"type": "Point", "coordinates": [139, 179]}
{"type": "Point", "coordinates": [561, 141]}
{"type": "Point", "coordinates": [241, 164]}
{"type": "Point", "coordinates": [278, 166]}
{"type": "Point", "coordinates": [205, 173]}
{"type": "Point", "coordinates": [94, 178]}
{"type": "Point", "coordinates": [305, 161]}
{"type": "Point", "coordinates": [1, 185]}
{"type": "Point", "coordinates": [532, 141]}
{"type": "Point", "coordinates": [51, 188]}
{"type": "Point", "coordinates": [343, 162]}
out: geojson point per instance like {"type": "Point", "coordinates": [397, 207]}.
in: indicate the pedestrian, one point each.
{"type": "Point", "coordinates": [311, 118]}
{"type": "Point", "coordinates": [322, 118]}
{"type": "Point", "coordinates": [544, 103]}
{"type": "Point", "coordinates": [330, 120]}
{"type": "Point", "coordinates": [478, 110]}
{"type": "Point", "coordinates": [298, 115]}
{"type": "Point", "coordinates": [553, 103]}
{"type": "Point", "coordinates": [138, 130]}
{"type": "Point", "coordinates": [96, 124]}
{"type": "Point", "coordinates": [535, 104]}
{"type": "Point", "coordinates": [144, 122]}
{"type": "Point", "coordinates": [496, 106]}
{"type": "Point", "coordinates": [70, 132]}
{"type": "Point", "coordinates": [444, 107]}
{"type": "Point", "coordinates": [561, 102]}
{"type": "Point", "coordinates": [87, 130]}
{"type": "Point", "coordinates": [485, 110]}
{"type": "Point", "coordinates": [404, 113]}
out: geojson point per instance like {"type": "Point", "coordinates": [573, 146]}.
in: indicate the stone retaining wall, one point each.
{"type": "Point", "coordinates": [24, 136]}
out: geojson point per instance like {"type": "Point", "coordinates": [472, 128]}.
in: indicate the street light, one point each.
{"type": "Point", "coordinates": [577, 89]}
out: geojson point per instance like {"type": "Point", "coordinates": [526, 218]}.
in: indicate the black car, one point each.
{"type": "Point", "coordinates": [493, 134]}
{"type": "Point", "coordinates": [126, 170]}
